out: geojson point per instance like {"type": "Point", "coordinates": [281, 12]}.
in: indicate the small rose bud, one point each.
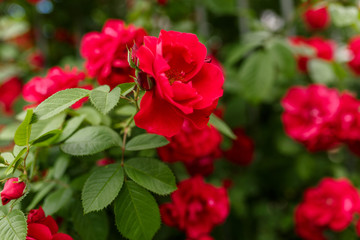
{"type": "Point", "coordinates": [104, 162]}
{"type": "Point", "coordinates": [145, 81]}
{"type": "Point", "coordinates": [12, 190]}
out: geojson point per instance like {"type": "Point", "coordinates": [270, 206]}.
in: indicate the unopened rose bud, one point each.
{"type": "Point", "coordinates": [145, 81]}
{"type": "Point", "coordinates": [104, 162]}
{"type": "Point", "coordinates": [13, 189]}
{"type": "Point", "coordinates": [132, 59]}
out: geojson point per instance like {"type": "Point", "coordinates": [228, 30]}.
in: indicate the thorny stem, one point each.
{"type": "Point", "coordinates": [123, 146]}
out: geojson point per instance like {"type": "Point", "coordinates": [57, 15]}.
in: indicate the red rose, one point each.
{"type": "Point", "coordinates": [36, 60]}
{"type": "Point", "coordinates": [323, 49]}
{"type": "Point", "coordinates": [57, 79]}
{"type": "Point", "coordinates": [104, 162]}
{"type": "Point", "coordinates": [43, 228]}
{"type": "Point", "coordinates": [106, 52]}
{"type": "Point", "coordinates": [332, 204]}
{"type": "Point", "coordinates": [196, 148]}
{"type": "Point", "coordinates": [13, 189]}
{"type": "Point", "coordinates": [9, 92]}
{"type": "Point", "coordinates": [196, 207]}
{"type": "Point", "coordinates": [354, 47]}
{"type": "Point", "coordinates": [242, 149]}
{"type": "Point", "coordinates": [348, 118]}
{"type": "Point", "coordinates": [185, 86]}
{"type": "Point", "coordinates": [309, 115]}
{"type": "Point", "coordinates": [316, 18]}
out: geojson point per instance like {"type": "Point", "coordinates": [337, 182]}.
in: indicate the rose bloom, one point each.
{"type": "Point", "coordinates": [309, 114]}
{"type": "Point", "coordinates": [10, 90]}
{"type": "Point", "coordinates": [106, 52]}
{"type": "Point", "coordinates": [354, 48]}
{"type": "Point", "coordinates": [332, 204]}
{"type": "Point", "coordinates": [323, 49]}
{"type": "Point", "coordinates": [242, 149]}
{"type": "Point", "coordinates": [316, 18]}
{"type": "Point", "coordinates": [196, 148]}
{"type": "Point", "coordinates": [185, 87]}
{"type": "Point", "coordinates": [196, 207]}
{"type": "Point", "coordinates": [40, 88]}
{"type": "Point", "coordinates": [13, 189]}
{"type": "Point", "coordinates": [41, 227]}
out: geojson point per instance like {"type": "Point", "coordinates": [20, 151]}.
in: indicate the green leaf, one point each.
{"type": "Point", "coordinates": [91, 140]}
{"type": "Point", "coordinates": [40, 195]}
{"type": "Point", "coordinates": [146, 141]}
{"type": "Point", "coordinates": [13, 226]}
{"type": "Point", "coordinates": [47, 138]}
{"type": "Point", "coordinates": [151, 174]}
{"type": "Point", "coordinates": [102, 187]}
{"type": "Point", "coordinates": [60, 101]}
{"type": "Point", "coordinates": [343, 16]}
{"type": "Point", "coordinates": [137, 214]}
{"type": "Point", "coordinates": [56, 200]}
{"type": "Point", "coordinates": [71, 126]}
{"type": "Point", "coordinates": [22, 134]}
{"type": "Point", "coordinates": [103, 100]}
{"type": "Point", "coordinates": [126, 88]}
{"type": "Point", "coordinates": [8, 132]}
{"type": "Point", "coordinates": [283, 58]}
{"type": "Point", "coordinates": [90, 115]}
{"type": "Point", "coordinates": [44, 126]}
{"type": "Point", "coordinates": [321, 71]}
{"type": "Point", "coordinates": [16, 162]}
{"type": "Point", "coordinates": [221, 126]}
{"type": "Point", "coordinates": [92, 226]}
{"type": "Point", "coordinates": [257, 77]}
{"type": "Point", "coordinates": [60, 166]}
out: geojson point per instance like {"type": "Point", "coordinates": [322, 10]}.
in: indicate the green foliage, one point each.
{"type": "Point", "coordinates": [103, 99]}
{"type": "Point", "coordinates": [16, 162]}
{"type": "Point", "coordinates": [137, 215]}
{"type": "Point", "coordinates": [221, 126]}
{"type": "Point", "coordinates": [91, 226]}
{"type": "Point", "coordinates": [71, 126]}
{"type": "Point", "coordinates": [40, 128]}
{"type": "Point", "coordinates": [22, 134]}
{"type": "Point", "coordinates": [146, 141]}
{"type": "Point", "coordinates": [13, 226]}
{"type": "Point", "coordinates": [343, 16]}
{"type": "Point", "coordinates": [151, 174]}
{"type": "Point", "coordinates": [321, 71]}
{"type": "Point", "coordinates": [91, 140]}
{"type": "Point", "coordinates": [46, 188]}
{"type": "Point", "coordinates": [47, 138]}
{"type": "Point", "coordinates": [126, 88]}
{"type": "Point", "coordinates": [102, 187]}
{"type": "Point", "coordinates": [56, 200]}
{"type": "Point", "coordinates": [60, 101]}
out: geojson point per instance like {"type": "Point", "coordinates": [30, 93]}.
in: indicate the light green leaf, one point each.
{"type": "Point", "coordinates": [146, 141]}
{"type": "Point", "coordinates": [71, 126]}
{"type": "Point", "coordinates": [126, 88]}
{"type": "Point", "coordinates": [283, 58]}
{"type": "Point", "coordinates": [91, 140]}
{"type": "Point", "coordinates": [47, 138]}
{"type": "Point", "coordinates": [151, 174]}
{"type": "Point", "coordinates": [257, 77]}
{"type": "Point", "coordinates": [44, 126]}
{"type": "Point", "coordinates": [60, 101]}
{"type": "Point", "coordinates": [22, 134]}
{"type": "Point", "coordinates": [103, 100]}
{"type": "Point", "coordinates": [91, 226]}
{"type": "Point", "coordinates": [60, 166]}
{"type": "Point", "coordinates": [321, 71]}
{"type": "Point", "coordinates": [221, 126]}
{"type": "Point", "coordinates": [343, 16]}
{"type": "Point", "coordinates": [90, 115]}
{"type": "Point", "coordinates": [56, 200]}
{"type": "Point", "coordinates": [16, 162]}
{"type": "Point", "coordinates": [13, 226]}
{"type": "Point", "coordinates": [102, 187]}
{"type": "Point", "coordinates": [8, 132]}
{"type": "Point", "coordinates": [137, 214]}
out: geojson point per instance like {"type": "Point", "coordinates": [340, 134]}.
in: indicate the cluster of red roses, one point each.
{"type": "Point", "coordinates": [321, 118]}
{"type": "Point", "coordinates": [330, 205]}
{"type": "Point", "coordinates": [39, 227]}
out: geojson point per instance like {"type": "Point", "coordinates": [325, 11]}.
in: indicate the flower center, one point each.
{"type": "Point", "coordinates": [175, 75]}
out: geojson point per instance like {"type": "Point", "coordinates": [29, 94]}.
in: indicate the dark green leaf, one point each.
{"type": "Point", "coordinates": [137, 214]}
{"type": "Point", "coordinates": [146, 141]}
{"type": "Point", "coordinates": [221, 126]}
{"type": "Point", "coordinates": [151, 174]}
{"type": "Point", "coordinates": [71, 126]}
{"type": "Point", "coordinates": [56, 200]}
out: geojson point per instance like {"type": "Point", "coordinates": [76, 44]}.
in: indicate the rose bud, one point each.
{"type": "Point", "coordinates": [145, 81]}
{"type": "Point", "coordinates": [13, 189]}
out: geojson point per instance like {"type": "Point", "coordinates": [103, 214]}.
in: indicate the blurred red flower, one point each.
{"type": "Point", "coordinates": [354, 47]}
{"type": "Point", "coordinates": [185, 86]}
{"type": "Point", "coordinates": [316, 17]}
{"type": "Point", "coordinates": [242, 149]}
{"type": "Point", "coordinates": [10, 90]}
{"type": "Point", "coordinates": [332, 204]}
{"type": "Point", "coordinates": [57, 79]}
{"type": "Point", "coordinates": [106, 52]}
{"type": "Point", "coordinates": [323, 49]}
{"type": "Point", "coordinates": [104, 162]}
{"type": "Point", "coordinates": [309, 114]}
{"type": "Point", "coordinates": [196, 207]}
{"type": "Point", "coordinates": [196, 148]}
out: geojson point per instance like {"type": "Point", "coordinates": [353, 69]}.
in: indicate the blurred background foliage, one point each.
{"type": "Point", "coordinates": [249, 38]}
